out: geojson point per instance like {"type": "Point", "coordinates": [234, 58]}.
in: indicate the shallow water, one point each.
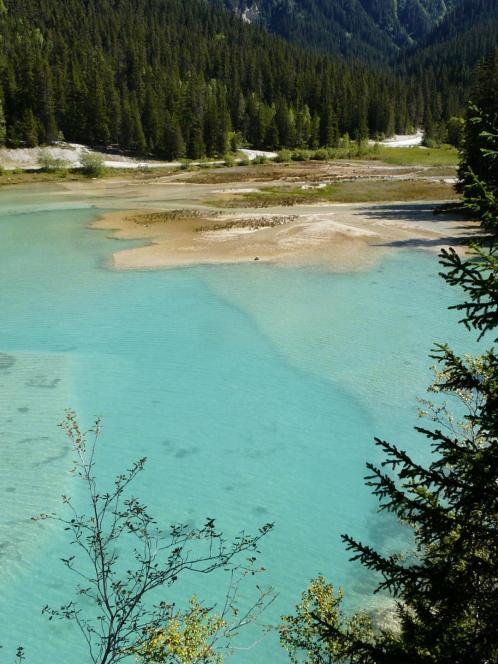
{"type": "Point", "coordinates": [254, 391]}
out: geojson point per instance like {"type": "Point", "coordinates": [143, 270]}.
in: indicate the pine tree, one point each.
{"type": "Point", "coordinates": [196, 148]}
{"type": "Point", "coordinates": [482, 117]}
{"type": "Point", "coordinates": [151, 120]}
{"type": "Point", "coordinates": [3, 126]}
{"type": "Point", "coordinates": [45, 95]}
{"type": "Point", "coordinates": [29, 129]}
{"type": "Point", "coordinates": [173, 145]}
{"type": "Point", "coordinates": [329, 127]}
{"type": "Point", "coordinates": [98, 119]}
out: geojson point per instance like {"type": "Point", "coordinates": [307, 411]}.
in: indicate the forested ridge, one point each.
{"type": "Point", "coordinates": [178, 78]}
{"type": "Point", "coordinates": [435, 43]}
{"type": "Point", "coordinates": [186, 78]}
{"type": "Point", "coordinates": [369, 29]}
{"type": "Point", "coordinates": [450, 53]}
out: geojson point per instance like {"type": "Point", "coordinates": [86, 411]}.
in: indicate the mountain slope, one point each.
{"type": "Point", "coordinates": [179, 78]}
{"type": "Point", "coordinates": [341, 26]}
{"type": "Point", "coordinates": [407, 21]}
{"type": "Point", "coordinates": [466, 34]}
{"type": "Point", "coordinates": [370, 29]}
{"type": "Point", "coordinates": [433, 44]}
{"type": "Point", "coordinates": [445, 60]}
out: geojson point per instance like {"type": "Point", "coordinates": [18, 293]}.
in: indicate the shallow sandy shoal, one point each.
{"type": "Point", "coordinates": [338, 237]}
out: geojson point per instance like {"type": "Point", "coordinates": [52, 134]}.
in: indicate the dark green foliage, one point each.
{"type": "Point", "coordinates": [481, 140]}
{"type": "Point", "coordinates": [3, 127]}
{"type": "Point", "coordinates": [444, 62]}
{"type": "Point", "coordinates": [455, 128]}
{"type": "Point", "coordinates": [434, 44]}
{"type": "Point", "coordinates": [479, 185]}
{"type": "Point", "coordinates": [176, 78]}
{"type": "Point", "coordinates": [368, 29]}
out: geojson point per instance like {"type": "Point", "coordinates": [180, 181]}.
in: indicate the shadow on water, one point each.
{"type": "Point", "coordinates": [420, 242]}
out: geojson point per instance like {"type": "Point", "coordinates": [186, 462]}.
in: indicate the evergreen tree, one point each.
{"type": "Point", "coordinates": [482, 118]}
{"type": "Point", "coordinates": [110, 72]}
{"type": "Point", "coordinates": [3, 127]}
{"type": "Point", "coordinates": [329, 127]}
{"type": "Point", "coordinates": [173, 145]}
{"type": "Point", "coordinates": [28, 129]}
{"type": "Point", "coordinates": [98, 120]}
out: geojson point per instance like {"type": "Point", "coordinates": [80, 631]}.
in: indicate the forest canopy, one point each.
{"type": "Point", "coordinates": [185, 79]}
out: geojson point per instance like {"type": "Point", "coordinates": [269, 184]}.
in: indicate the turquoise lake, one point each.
{"type": "Point", "coordinates": [255, 392]}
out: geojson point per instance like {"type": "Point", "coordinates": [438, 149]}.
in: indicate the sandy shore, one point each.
{"type": "Point", "coordinates": [338, 237]}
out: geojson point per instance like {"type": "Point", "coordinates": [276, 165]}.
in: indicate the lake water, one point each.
{"type": "Point", "coordinates": [254, 391]}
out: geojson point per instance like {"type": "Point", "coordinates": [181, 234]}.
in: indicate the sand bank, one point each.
{"type": "Point", "coordinates": [335, 236]}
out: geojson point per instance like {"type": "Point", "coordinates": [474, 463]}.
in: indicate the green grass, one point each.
{"type": "Point", "coordinates": [415, 156]}
{"type": "Point", "coordinates": [444, 156]}
{"type": "Point", "coordinates": [358, 191]}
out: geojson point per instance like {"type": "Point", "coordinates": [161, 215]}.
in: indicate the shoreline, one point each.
{"type": "Point", "coordinates": [336, 237]}
{"type": "Point", "coordinates": [273, 213]}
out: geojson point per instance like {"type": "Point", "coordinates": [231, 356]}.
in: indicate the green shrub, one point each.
{"type": "Point", "coordinates": [244, 162]}
{"type": "Point", "coordinates": [430, 143]}
{"type": "Point", "coordinates": [260, 159]}
{"type": "Point", "coordinates": [229, 160]}
{"type": "Point", "coordinates": [300, 155]}
{"type": "Point", "coordinates": [283, 156]}
{"type": "Point", "coordinates": [92, 165]}
{"type": "Point", "coordinates": [321, 155]}
{"type": "Point", "coordinates": [50, 164]}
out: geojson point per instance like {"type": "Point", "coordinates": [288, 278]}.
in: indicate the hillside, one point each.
{"type": "Point", "coordinates": [466, 34]}
{"type": "Point", "coordinates": [435, 45]}
{"type": "Point", "coordinates": [445, 60]}
{"type": "Point", "coordinates": [370, 29]}
{"type": "Point", "coordinates": [186, 78]}
{"type": "Point", "coordinates": [175, 78]}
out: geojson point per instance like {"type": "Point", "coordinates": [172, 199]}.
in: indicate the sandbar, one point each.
{"type": "Point", "coordinates": [338, 237]}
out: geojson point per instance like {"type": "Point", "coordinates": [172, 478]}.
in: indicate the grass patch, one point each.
{"type": "Point", "coordinates": [418, 156]}
{"type": "Point", "coordinates": [402, 190]}
{"type": "Point", "coordinates": [414, 156]}
{"type": "Point", "coordinates": [358, 191]}
{"type": "Point", "coordinates": [13, 177]}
